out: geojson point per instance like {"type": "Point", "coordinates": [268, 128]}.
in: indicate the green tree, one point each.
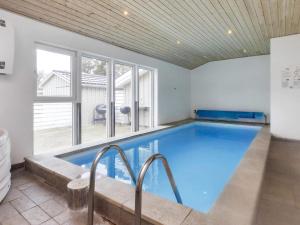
{"type": "Point", "coordinates": [93, 66]}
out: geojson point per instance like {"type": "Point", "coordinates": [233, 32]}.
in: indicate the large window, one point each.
{"type": "Point", "coordinates": [85, 98]}
{"type": "Point", "coordinates": [53, 73]}
{"type": "Point", "coordinates": [52, 126]}
{"type": "Point", "coordinates": [53, 106]}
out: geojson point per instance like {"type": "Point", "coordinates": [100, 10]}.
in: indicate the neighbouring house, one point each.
{"type": "Point", "coordinates": [93, 93]}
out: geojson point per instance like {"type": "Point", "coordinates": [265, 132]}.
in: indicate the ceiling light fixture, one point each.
{"type": "Point", "coordinates": [125, 13]}
{"type": "Point", "coordinates": [229, 31]}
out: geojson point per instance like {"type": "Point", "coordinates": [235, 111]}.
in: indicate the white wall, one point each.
{"type": "Point", "coordinates": [235, 84]}
{"type": "Point", "coordinates": [17, 91]}
{"type": "Point", "coordinates": [285, 102]}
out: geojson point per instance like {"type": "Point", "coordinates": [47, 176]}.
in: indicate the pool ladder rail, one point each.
{"type": "Point", "coordinates": [139, 183]}
{"type": "Point", "coordinates": [93, 177]}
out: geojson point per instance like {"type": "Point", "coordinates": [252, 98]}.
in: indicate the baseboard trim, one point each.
{"type": "Point", "coordinates": [17, 166]}
{"type": "Point", "coordinates": [284, 139]}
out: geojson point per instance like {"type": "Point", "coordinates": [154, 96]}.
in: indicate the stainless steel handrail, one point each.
{"type": "Point", "coordinates": [93, 177]}
{"type": "Point", "coordinates": [138, 189]}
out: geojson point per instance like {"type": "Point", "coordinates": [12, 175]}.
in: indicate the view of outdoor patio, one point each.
{"type": "Point", "coordinates": [53, 120]}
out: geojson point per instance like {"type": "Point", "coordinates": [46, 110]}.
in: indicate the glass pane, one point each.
{"type": "Point", "coordinates": [53, 74]}
{"type": "Point", "coordinates": [52, 124]}
{"type": "Point", "coordinates": [123, 93]}
{"type": "Point", "coordinates": [145, 95]}
{"type": "Point", "coordinates": [94, 77]}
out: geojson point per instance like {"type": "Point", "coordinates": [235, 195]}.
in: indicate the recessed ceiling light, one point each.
{"type": "Point", "coordinates": [229, 31]}
{"type": "Point", "coordinates": [125, 13]}
{"type": "Point", "coordinates": [245, 50]}
{"type": "Point", "coordinates": [178, 42]}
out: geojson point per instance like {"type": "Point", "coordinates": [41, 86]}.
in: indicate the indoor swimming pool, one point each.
{"type": "Point", "coordinates": [203, 156]}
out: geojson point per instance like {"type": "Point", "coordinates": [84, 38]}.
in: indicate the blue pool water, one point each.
{"type": "Point", "coordinates": [202, 156]}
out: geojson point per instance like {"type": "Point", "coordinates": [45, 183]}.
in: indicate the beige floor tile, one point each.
{"type": "Point", "coordinates": [280, 201]}
{"type": "Point", "coordinates": [278, 190]}
{"type": "Point", "coordinates": [50, 222]}
{"type": "Point", "coordinates": [297, 201]}
{"type": "Point", "coordinates": [15, 220]}
{"type": "Point", "coordinates": [35, 216]}
{"type": "Point", "coordinates": [22, 204]}
{"type": "Point", "coordinates": [274, 213]}
{"type": "Point", "coordinates": [279, 166]}
{"type": "Point", "coordinates": [296, 190]}
{"type": "Point", "coordinates": [40, 193]}
{"type": "Point", "coordinates": [25, 186]}
{"type": "Point", "coordinates": [78, 217]}
{"type": "Point", "coordinates": [280, 177]}
{"type": "Point", "coordinates": [81, 219]}
{"type": "Point", "coordinates": [284, 158]}
{"type": "Point", "coordinates": [7, 211]}
{"type": "Point", "coordinates": [13, 194]}
{"type": "Point", "coordinates": [22, 178]}
{"type": "Point", "coordinates": [62, 200]}
{"type": "Point", "coordinates": [18, 172]}
{"type": "Point", "coordinates": [52, 207]}
{"type": "Point", "coordinates": [64, 216]}
{"type": "Point", "coordinates": [28, 192]}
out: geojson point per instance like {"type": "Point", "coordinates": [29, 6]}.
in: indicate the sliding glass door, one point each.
{"type": "Point", "coordinates": [145, 98]}
{"type": "Point", "coordinates": [85, 98]}
{"type": "Point", "coordinates": [94, 98]}
{"type": "Point", "coordinates": [122, 95]}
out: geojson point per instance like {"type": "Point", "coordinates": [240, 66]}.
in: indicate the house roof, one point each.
{"type": "Point", "coordinates": [90, 80]}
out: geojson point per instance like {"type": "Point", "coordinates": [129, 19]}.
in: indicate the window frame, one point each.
{"type": "Point", "coordinates": [152, 89]}
{"type": "Point", "coordinates": [113, 97]}
{"type": "Point", "coordinates": [74, 74]}
{"type": "Point", "coordinates": [108, 86]}
{"type": "Point", "coordinates": [76, 89]}
{"type": "Point", "coordinates": [63, 99]}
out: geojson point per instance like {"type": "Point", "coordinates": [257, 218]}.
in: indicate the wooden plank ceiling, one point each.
{"type": "Point", "coordinates": [188, 33]}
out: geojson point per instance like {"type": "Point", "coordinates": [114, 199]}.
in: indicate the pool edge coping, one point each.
{"type": "Point", "coordinates": [227, 210]}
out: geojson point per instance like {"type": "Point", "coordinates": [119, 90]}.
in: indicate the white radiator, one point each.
{"type": "Point", "coordinates": [5, 179]}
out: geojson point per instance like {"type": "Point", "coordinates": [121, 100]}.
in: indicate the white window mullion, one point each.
{"type": "Point", "coordinates": [135, 99]}
{"type": "Point", "coordinates": [111, 106]}
{"type": "Point", "coordinates": [76, 71]}
{"type": "Point", "coordinates": [70, 92]}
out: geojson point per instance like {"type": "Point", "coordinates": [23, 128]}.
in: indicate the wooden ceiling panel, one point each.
{"type": "Point", "coordinates": [188, 33]}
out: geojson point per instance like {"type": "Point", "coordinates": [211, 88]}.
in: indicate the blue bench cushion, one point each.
{"type": "Point", "coordinates": [233, 115]}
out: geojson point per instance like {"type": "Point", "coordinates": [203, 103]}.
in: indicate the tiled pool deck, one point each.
{"type": "Point", "coordinates": [279, 202]}
{"type": "Point", "coordinates": [280, 198]}
{"type": "Point", "coordinates": [115, 200]}
{"type": "Point", "coordinates": [32, 201]}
